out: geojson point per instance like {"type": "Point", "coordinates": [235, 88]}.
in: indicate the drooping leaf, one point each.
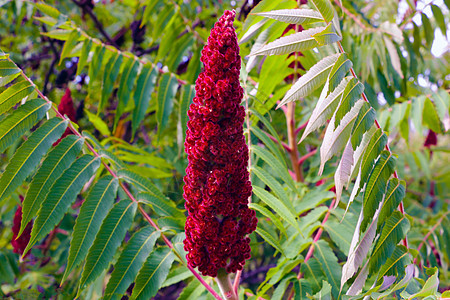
{"type": "Point", "coordinates": [130, 261]}
{"type": "Point", "coordinates": [393, 55]}
{"type": "Point", "coordinates": [269, 239]}
{"type": "Point", "coordinates": [363, 123]}
{"type": "Point", "coordinates": [336, 138]}
{"type": "Point", "coordinates": [325, 8]}
{"type": "Point", "coordinates": [153, 273]}
{"type": "Point", "coordinates": [187, 94]}
{"type": "Point", "coordinates": [330, 265]}
{"type": "Point", "coordinates": [417, 106]}
{"type": "Point", "coordinates": [352, 93]}
{"type": "Point", "coordinates": [56, 162]}
{"type": "Point", "coordinates": [395, 193]}
{"type": "Point", "coordinates": [396, 263]}
{"type": "Point", "coordinates": [299, 41]}
{"type": "Point", "coordinates": [82, 60]}
{"type": "Point", "coordinates": [343, 171]}
{"type": "Point", "coordinates": [98, 123]}
{"type": "Point", "coordinates": [70, 43]}
{"type": "Point", "coordinates": [327, 36]}
{"type": "Point", "coordinates": [268, 214]}
{"type": "Point", "coordinates": [109, 78]}
{"type": "Point", "coordinates": [161, 206]}
{"type": "Point", "coordinates": [107, 240]}
{"type": "Point", "coordinates": [359, 282]}
{"type": "Point", "coordinates": [95, 67]}
{"type": "Point", "coordinates": [277, 206]}
{"type": "Point", "coordinates": [394, 229]}
{"type": "Point", "coordinates": [144, 89]}
{"type": "Point", "coordinates": [309, 82]}
{"type": "Point", "coordinates": [15, 125]}
{"type": "Point", "coordinates": [126, 86]}
{"type": "Point", "coordinates": [430, 116]}
{"type": "Point", "coordinates": [140, 182]}
{"type": "Point", "coordinates": [167, 89]}
{"type": "Point", "coordinates": [92, 212]}
{"type": "Point", "coordinates": [324, 109]}
{"type": "Point", "coordinates": [28, 156]}
{"type": "Point", "coordinates": [376, 186]}
{"type": "Point", "coordinates": [61, 195]}
{"type": "Point", "coordinates": [439, 17]}
{"type": "Point", "coordinates": [271, 145]}
{"type": "Point", "coordinates": [293, 16]}
{"type": "Point", "coordinates": [340, 69]}
{"type": "Point", "coordinates": [13, 94]}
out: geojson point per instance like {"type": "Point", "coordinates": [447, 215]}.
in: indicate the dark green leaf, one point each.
{"type": "Point", "coordinates": [167, 89]}
{"type": "Point", "coordinates": [82, 61]}
{"type": "Point", "coordinates": [395, 193]}
{"type": "Point", "coordinates": [340, 69]}
{"type": "Point", "coordinates": [330, 265]}
{"type": "Point", "coordinates": [363, 123]}
{"type": "Point", "coordinates": [125, 89]}
{"type": "Point", "coordinates": [109, 77]}
{"type": "Point", "coordinates": [352, 93]}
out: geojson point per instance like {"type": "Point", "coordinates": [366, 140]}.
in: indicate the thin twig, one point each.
{"type": "Point", "coordinates": [122, 185]}
{"type": "Point", "coordinates": [306, 156]}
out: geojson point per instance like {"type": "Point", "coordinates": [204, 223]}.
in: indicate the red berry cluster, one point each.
{"type": "Point", "coordinates": [217, 185]}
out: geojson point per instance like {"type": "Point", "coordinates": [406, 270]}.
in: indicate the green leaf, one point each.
{"type": "Point", "coordinates": [417, 106]}
{"type": "Point", "coordinates": [13, 94]}
{"type": "Point", "coordinates": [56, 162]}
{"type": "Point", "coordinates": [335, 139]}
{"type": "Point", "coordinates": [61, 196]}
{"type": "Point", "coordinates": [302, 289]}
{"type": "Point", "coordinates": [8, 68]}
{"type": "Point", "coordinates": [7, 79]}
{"type": "Point", "coordinates": [269, 144]}
{"type": "Point", "coordinates": [98, 123]}
{"type": "Point", "coordinates": [270, 159]}
{"type": "Point", "coordinates": [144, 88]}
{"type": "Point", "coordinates": [167, 89]}
{"type": "Point", "coordinates": [330, 265]}
{"type": "Point", "coordinates": [130, 261]}
{"type": "Point", "coordinates": [293, 16]}
{"type": "Point", "coordinates": [327, 36]}
{"type": "Point", "coordinates": [325, 108]}
{"type": "Point", "coordinates": [339, 70]}
{"type": "Point", "coordinates": [161, 206]}
{"type": "Point", "coordinates": [268, 125]}
{"type": "Point", "coordinates": [268, 214]}
{"type": "Point", "coordinates": [340, 234]}
{"type": "Point", "coordinates": [277, 206]}
{"type": "Point", "coordinates": [95, 67]}
{"type": "Point", "coordinates": [352, 93]}
{"type": "Point", "coordinates": [376, 145]}
{"type": "Point", "coordinates": [269, 239]}
{"type": "Point", "coordinates": [363, 123]}
{"type": "Point", "coordinates": [82, 61]}
{"type": "Point", "coordinates": [109, 77]}
{"type": "Point", "coordinates": [385, 88]}
{"type": "Point", "coordinates": [187, 94]}
{"type": "Point", "coordinates": [72, 40]}
{"type": "Point", "coordinates": [299, 41]}
{"type": "Point", "coordinates": [393, 231]}
{"type": "Point", "coordinates": [192, 291]}
{"type": "Point", "coordinates": [47, 9]}
{"type": "Point", "coordinates": [108, 239]}
{"type": "Point", "coordinates": [20, 121]}
{"type": "Point", "coordinates": [396, 263]}
{"type": "Point", "coordinates": [325, 8]}
{"type": "Point", "coordinates": [313, 273]}
{"type": "Point", "coordinates": [29, 155]}
{"type": "Point", "coordinates": [309, 82]}
{"type": "Point", "coordinates": [140, 182]}
{"type": "Point", "coordinates": [442, 103]}
{"type": "Point", "coordinates": [430, 116]}
{"type": "Point", "coordinates": [439, 17]}
{"type": "Point", "coordinates": [395, 193]}
{"type": "Point", "coordinates": [376, 186]}
{"type": "Point", "coordinates": [125, 89]}
{"type": "Point", "coordinates": [153, 273]}
{"type": "Point", "coordinates": [92, 212]}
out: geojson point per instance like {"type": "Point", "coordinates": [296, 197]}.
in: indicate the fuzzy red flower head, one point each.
{"type": "Point", "coordinates": [217, 185]}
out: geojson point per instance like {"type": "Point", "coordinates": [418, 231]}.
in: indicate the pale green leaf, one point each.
{"type": "Point", "coordinates": [161, 206]}
{"type": "Point", "coordinates": [293, 16]}
{"type": "Point", "coordinates": [325, 8]}
{"type": "Point", "coordinates": [340, 69]}
{"type": "Point", "coordinates": [98, 123]}
{"type": "Point", "coordinates": [327, 36]}
{"type": "Point", "coordinates": [70, 43]}
{"type": "Point", "coordinates": [352, 93]}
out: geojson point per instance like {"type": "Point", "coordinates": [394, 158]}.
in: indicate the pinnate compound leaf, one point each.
{"type": "Point", "coordinates": [277, 206]}
{"type": "Point", "coordinates": [144, 89]}
{"type": "Point", "coordinates": [92, 212]}
{"type": "Point", "coordinates": [376, 186]}
{"type": "Point", "coordinates": [153, 274]}
{"type": "Point", "coordinates": [352, 93]}
{"type": "Point", "coordinates": [330, 265]}
{"type": "Point", "coordinates": [309, 82]}
{"type": "Point", "coordinates": [325, 108]}
{"type": "Point", "coordinates": [13, 94]}
{"type": "Point", "coordinates": [167, 89]}
{"type": "Point", "coordinates": [336, 138]}
{"type": "Point", "coordinates": [107, 240]}
{"type": "Point", "coordinates": [130, 261]}
{"type": "Point", "coordinates": [293, 16]}
{"type": "Point", "coordinates": [395, 193]}
{"type": "Point", "coordinates": [299, 41]}
{"type": "Point", "coordinates": [363, 123]}
{"type": "Point", "coordinates": [394, 229]}
{"type": "Point", "coordinates": [61, 195]}
{"type": "Point", "coordinates": [325, 8]}
{"type": "Point", "coordinates": [15, 125]}
{"type": "Point", "coordinates": [28, 156]}
{"type": "Point", "coordinates": [140, 182]}
{"type": "Point", "coordinates": [56, 162]}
